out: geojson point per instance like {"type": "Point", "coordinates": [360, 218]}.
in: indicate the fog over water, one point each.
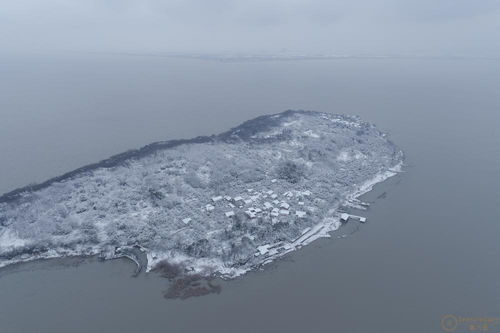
{"type": "Point", "coordinates": [430, 246]}
{"type": "Point", "coordinates": [425, 27]}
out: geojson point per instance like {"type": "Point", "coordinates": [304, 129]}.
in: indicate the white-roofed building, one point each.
{"type": "Point", "coordinates": [300, 214]}
{"type": "Point", "coordinates": [218, 198]}
{"type": "Point", "coordinates": [251, 214]}
{"type": "Point", "coordinates": [284, 205]}
{"type": "Point", "coordinates": [275, 212]}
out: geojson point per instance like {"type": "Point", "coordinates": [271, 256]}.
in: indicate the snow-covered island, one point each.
{"type": "Point", "coordinates": [217, 205]}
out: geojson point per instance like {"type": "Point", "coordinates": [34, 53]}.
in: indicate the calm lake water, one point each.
{"type": "Point", "coordinates": [431, 245]}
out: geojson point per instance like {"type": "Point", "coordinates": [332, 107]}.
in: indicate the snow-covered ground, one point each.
{"type": "Point", "coordinates": [222, 205]}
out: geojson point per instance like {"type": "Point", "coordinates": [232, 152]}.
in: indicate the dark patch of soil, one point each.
{"type": "Point", "coordinates": [183, 285]}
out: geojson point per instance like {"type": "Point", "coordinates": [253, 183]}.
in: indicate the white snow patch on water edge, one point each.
{"type": "Point", "coordinates": [368, 185]}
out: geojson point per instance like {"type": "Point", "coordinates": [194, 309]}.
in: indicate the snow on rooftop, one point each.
{"type": "Point", "coordinates": [284, 205]}
{"type": "Point", "coordinates": [186, 220]}
{"type": "Point", "coordinates": [250, 214]}
{"type": "Point", "coordinates": [209, 208]}
{"type": "Point", "coordinates": [300, 213]}
{"type": "Point", "coordinates": [284, 212]}
{"type": "Point", "coordinates": [229, 214]}
{"type": "Point", "coordinates": [218, 198]}
{"type": "Point", "coordinates": [263, 249]}
{"type": "Point", "coordinates": [344, 217]}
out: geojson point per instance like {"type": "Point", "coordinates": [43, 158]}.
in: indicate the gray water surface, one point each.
{"type": "Point", "coordinates": [431, 244]}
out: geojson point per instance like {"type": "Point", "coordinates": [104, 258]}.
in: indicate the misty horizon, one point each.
{"type": "Point", "coordinates": [381, 27]}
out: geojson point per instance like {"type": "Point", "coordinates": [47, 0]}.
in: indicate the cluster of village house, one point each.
{"type": "Point", "coordinates": [260, 204]}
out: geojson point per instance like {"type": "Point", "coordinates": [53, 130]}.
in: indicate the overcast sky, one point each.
{"type": "Point", "coordinates": [414, 27]}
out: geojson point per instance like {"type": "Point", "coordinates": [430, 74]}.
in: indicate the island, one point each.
{"type": "Point", "coordinates": [217, 205]}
